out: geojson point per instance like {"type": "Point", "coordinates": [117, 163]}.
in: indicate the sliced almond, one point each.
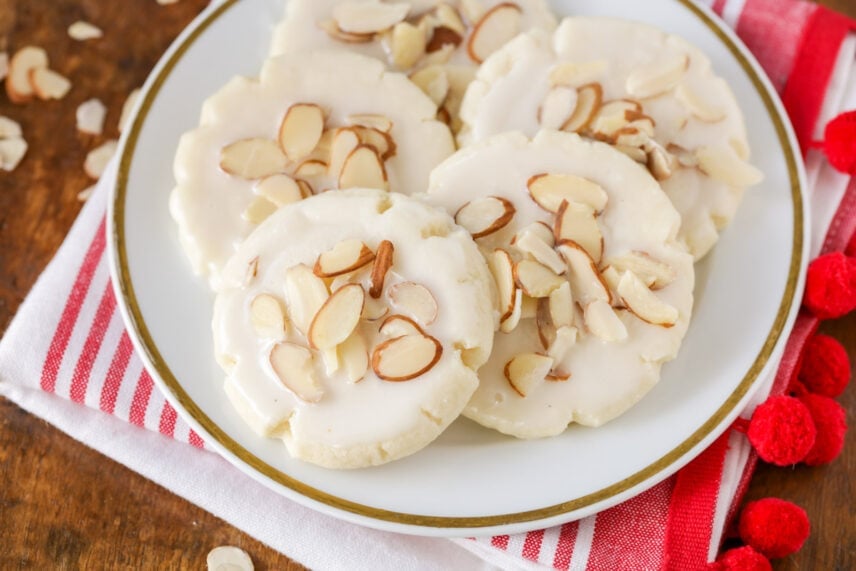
{"type": "Point", "coordinates": [405, 358]}
{"type": "Point", "coordinates": [557, 107]}
{"type": "Point", "coordinates": [267, 317]}
{"type": "Point", "coordinates": [354, 353]}
{"type": "Point", "coordinates": [511, 322]}
{"type": "Point", "coordinates": [589, 98]}
{"type": "Point", "coordinates": [561, 306]}
{"type": "Point", "coordinates": [635, 153]}
{"type": "Point", "coordinates": [611, 277]}
{"type": "Point", "coordinates": [82, 31]}
{"type": "Point", "coordinates": [529, 308]}
{"type": "Point", "coordinates": [311, 168]}
{"type": "Point", "coordinates": [586, 282]}
{"type": "Point", "coordinates": [484, 216]}
{"type": "Point", "coordinates": [659, 163]}
{"type": "Point", "coordinates": [613, 116]}
{"type": "Point", "coordinates": [280, 189]}
{"type": "Point", "coordinates": [48, 84]}
{"type": "Point", "coordinates": [740, 147]}
{"type": "Point", "coordinates": [98, 158]}
{"type": "Point", "coordinates": [300, 130]}
{"type": "Point", "coordinates": [544, 323]}
{"type": "Point", "coordinates": [363, 168]}
{"type": "Point", "coordinates": [90, 116]}
{"type": "Point", "coordinates": [258, 210]}
{"type": "Point", "coordinates": [86, 193]}
{"type": "Point", "coordinates": [414, 299]}
{"type": "Point", "coordinates": [381, 142]}
{"type": "Point", "coordinates": [228, 558]}
{"type": "Point", "coordinates": [449, 17]}
{"type": "Point", "coordinates": [684, 157]}
{"type": "Point", "coordinates": [305, 293]}
{"type": "Point", "coordinates": [345, 257]}
{"type": "Point", "coordinates": [537, 241]}
{"type": "Point", "coordinates": [535, 279]}
{"type": "Point", "coordinates": [722, 163]}
{"type": "Point", "coordinates": [643, 303]}
{"type": "Point", "coordinates": [439, 57]}
{"type": "Point", "coordinates": [382, 262]}
{"type": "Point", "coordinates": [342, 144]}
{"type": "Point", "coordinates": [372, 121]}
{"type": "Point", "coordinates": [602, 321]}
{"type": "Point", "coordinates": [12, 152]}
{"type": "Point", "coordinates": [578, 222]}
{"type": "Point", "coordinates": [127, 108]}
{"type": "Point", "coordinates": [337, 318]}
{"type": "Point", "coordinates": [566, 338]}
{"type": "Point", "coordinates": [253, 158]}
{"type": "Point", "coordinates": [527, 371]}
{"type": "Point", "coordinates": [502, 268]}
{"type": "Point", "coordinates": [408, 45]}
{"type": "Point", "coordinates": [433, 81]}
{"type": "Point", "coordinates": [442, 36]}
{"type": "Point", "coordinates": [252, 271]}
{"type": "Point", "coordinates": [18, 86]}
{"type": "Point", "coordinates": [575, 74]}
{"type": "Point", "coordinates": [337, 33]}
{"type": "Point", "coordinates": [657, 78]}
{"type": "Point", "coordinates": [294, 367]}
{"type": "Point", "coordinates": [375, 309]}
{"type": "Point", "coordinates": [9, 129]}
{"type": "Point", "coordinates": [698, 106]}
{"type": "Point", "coordinates": [369, 17]}
{"type": "Point", "coordinates": [493, 30]}
{"type": "Point", "coordinates": [654, 273]}
{"type": "Point", "coordinates": [550, 190]}
{"type": "Point", "coordinates": [399, 326]}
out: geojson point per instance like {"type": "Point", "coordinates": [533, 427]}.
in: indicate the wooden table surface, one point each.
{"type": "Point", "coordinates": [65, 506]}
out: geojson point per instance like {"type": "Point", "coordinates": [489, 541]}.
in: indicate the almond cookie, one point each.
{"type": "Point", "coordinates": [312, 122]}
{"type": "Point", "coordinates": [439, 44]}
{"type": "Point", "coordinates": [351, 324]}
{"type": "Point", "coordinates": [652, 95]}
{"type": "Point", "coordinates": [594, 290]}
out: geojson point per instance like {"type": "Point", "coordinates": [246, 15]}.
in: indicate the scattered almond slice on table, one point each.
{"type": "Point", "coordinates": [90, 116]}
{"type": "Point", "coordinates": [27, 59]}
{"type": "Point", "coordinates": [82, 31]}
{"type": "Point", "coordinates": [98, 158]}
{"type": "Point", "coordinates": [227, 557]}
{"type": "Point", "coordinates": [127, 107]}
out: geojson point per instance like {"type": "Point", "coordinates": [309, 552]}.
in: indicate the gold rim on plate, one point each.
{"type": "Point", "coordinates": [137, 323]}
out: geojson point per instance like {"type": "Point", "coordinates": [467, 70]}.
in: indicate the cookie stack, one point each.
{"type": "Point", "coordinates": [432, 208]}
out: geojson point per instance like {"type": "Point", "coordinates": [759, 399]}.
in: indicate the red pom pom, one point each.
{"type": "Point", "coordinates": [831, 422]}
{"type": "Point", "coordinates": [782, 431]}
{"type": "Point", "coordinates": [742, 559]}
{"type": "Point", "coordinates": [830, 289]}
{"type": "Point", "coordinates": [774, 527]}
{"type": "Point", "coordinates": [825, 368]}
{"type": "Point", "coordinates": [840, 142]}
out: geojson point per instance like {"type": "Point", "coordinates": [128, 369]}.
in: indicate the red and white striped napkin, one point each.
{"type": "Point", "coordinates": [67, 347]}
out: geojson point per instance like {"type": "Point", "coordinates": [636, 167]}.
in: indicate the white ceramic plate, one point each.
{"type": "Point", "coordinates": [471, 480]}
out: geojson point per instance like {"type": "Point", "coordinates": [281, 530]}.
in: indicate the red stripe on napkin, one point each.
{"type": "Point", "coordinates": [115, 374]}
{"type": "Point", "coordinates": [694, 499]}
{"type": "Point", "coordinates": [532, 545]}
{"type": "Point", "coordinates": [806, 89]}
{"type": "Point", "coordinates": [83, 369]}
{"type": "Point", "coordinates": [62, 335]}
{"type": "Point", "coordinates": [141, 399]}
{"type": "Point", "coordinates": [565, 547]}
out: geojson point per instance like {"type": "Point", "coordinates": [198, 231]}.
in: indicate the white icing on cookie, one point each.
{"type": "Point", "coordinates": [634, 217]}
{"type": "Point", "coordinates": [413, 43]}
{"type": "Point", "coordinates": [221, 167]}
{"type": "Point", "coordinates": [350, 417]}
{"type": "Point", "coordinates": [699, 150]}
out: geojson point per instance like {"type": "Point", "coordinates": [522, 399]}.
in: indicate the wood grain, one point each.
{"type": "Point", "coordinates": [64, 506]}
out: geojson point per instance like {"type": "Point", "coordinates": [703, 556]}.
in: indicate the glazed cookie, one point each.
{"type": "Point", "coordinates": [594, 290]}
{"type": "Point", "coordinates": [440, 44]}
{"type": "Point", "coordinates": [357, 343]}
{"type": "Point", "coordinates": [651, 95]}
{"type": "Point", "coordinates": [311, 122]}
